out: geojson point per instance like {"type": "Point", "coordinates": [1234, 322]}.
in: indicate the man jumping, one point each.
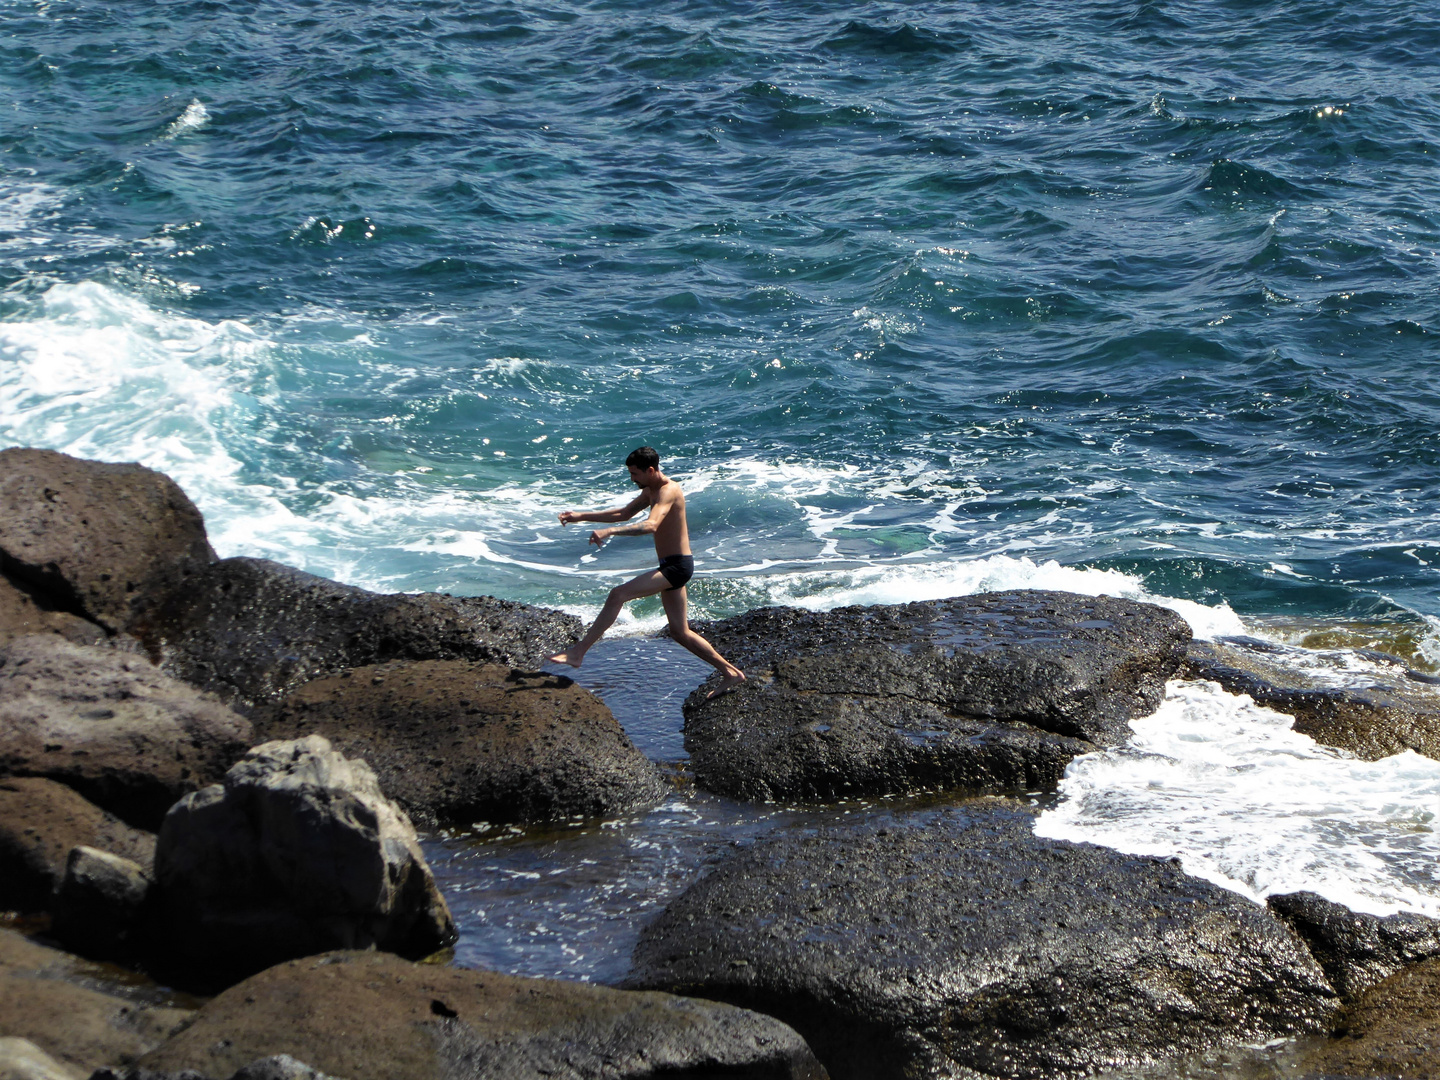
{"type": "Point", "coordinates": [672, 545]}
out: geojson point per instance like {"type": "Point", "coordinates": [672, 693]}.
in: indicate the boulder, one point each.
{"type": "Point", "coordinates": [275, 1067]}
{"type": "Point", "coordinates": [1356, 950]}
{"type": "Point", "coordinates": [455, 741]}
{"type": "Point", "coordinates": [253, 631]}
{"type": "Point", "coordinates": [111, 725]}
{"type": "Point", "coordinates": [99, 904]}
{"type": "Point", "coordinates": [295, 853]}
{"type": "Point", "coordinates": [22, 613]}
{"type": "Point", "coordinates": [992, 692]}
{"type": "Point", "coordinates": [74, 1011]}
{"type": "Point", "coordinates": [370, 1015]}
{"type": "Point", "coordinates": [105, 542]}
{"type": "Point", "coordinates": [20, 1059]}
{"type": "Point", "coordinates": [40, 821]}
{"type": "Point", "coordinates": [1392, 1031]}
{"type": "Point", "coordinates": [1373, 715]}
{"type": "Point", "coordinates": [955, 942]}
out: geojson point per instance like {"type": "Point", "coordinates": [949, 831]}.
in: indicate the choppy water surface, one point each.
{"type": "Point", "coordinates": [917, 300]}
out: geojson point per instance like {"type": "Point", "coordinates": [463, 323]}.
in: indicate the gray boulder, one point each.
{"type": "Point", "coordinates": [111, 725]}
{"type": "Point", "coordinates": [253, 631]}
{"type": "Point", "coordinates": [99, 905]}
{"type": "Point", "coordinates": [993, 692]}
{"type": "Point", "coordinates": [40, 822]}
{"type": "Point", "coordinates": [1356, 950]}
{"type": "Point", "coordinates": [957, 943]}
{"type": "Point", "coordinates": [297, 852]}
{"type": "Point", "coordinates": [21, 1059]}
{"type": "Point", "coordinates": [101, 541]}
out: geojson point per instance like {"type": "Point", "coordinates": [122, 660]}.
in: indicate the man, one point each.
{"type": "Point", "coordinates": [666, 522]}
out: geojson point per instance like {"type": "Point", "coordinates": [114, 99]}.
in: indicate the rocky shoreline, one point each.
{"type": "Point", "coordinates": [211, 770]}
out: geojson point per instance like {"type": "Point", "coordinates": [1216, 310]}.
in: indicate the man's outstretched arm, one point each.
{"type": "Point", "coordinates": [620, 513]}
{"type": "Point", "coordinates": [658, 510]}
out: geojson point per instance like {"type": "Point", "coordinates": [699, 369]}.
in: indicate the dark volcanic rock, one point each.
{"type": "Point", "coordinates": [1373, 718]}
{"type": "Point", "coordinates": [253, 631]}
{"type": "Point", "coordinates": [113, 726]}
{"type": "Point", "coordinates": [994, 692]}
{"type": "Point", "coordinates": [1357, 951]}
{"type": "Point", "coordinates": [297, 852]}
{"type": "Point", "coordinates": [102, 541]}
{"type": "Point", "coordinates": [457, 741]}
{"type": "Point", "coordinates": [1393, 1031]}
{"type": "Point", "coordinates": [372, 1015]}
{"type": "Point", "coordinates": [40, 821]}
{"type": "Point", "coordinates": [958, 940]}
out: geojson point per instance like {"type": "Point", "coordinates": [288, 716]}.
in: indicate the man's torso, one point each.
{"type": "Point", "coordinates": [672, 537]}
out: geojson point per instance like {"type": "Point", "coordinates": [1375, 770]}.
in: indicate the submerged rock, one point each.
{"type": "Point", "coordinates": [372, 1015]}
{"type": "Point", "coordinates": [111, 725]}
{"type": "Point", "coordinates": [105, 542]}
{"type": "Point", "coordinates": [1372, 715]}
{"type": "Point", "coordinates": [455, 741]}
{"type": "Point", "coordinates": [994, 692]}
{"type": "Point", "coordinates": [40, 822]}
{"type": "Point", "coordinates": [253, 631]}
{"type": "Point", "coordinates": [297, 852]}
{"type": "Point", "coordinates": [958, 943]}
{"type": "Point", "coordinates": [1393, 1031]}
{"type": "Point", "coordinates": [1356, 950]}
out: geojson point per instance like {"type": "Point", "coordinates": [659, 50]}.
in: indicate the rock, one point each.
{"type": "Point", "coordinates": [68, 1008]}
{"type": "Point", "coordinates": [40, 821]}
{"type": "Point", "coordinates": [454, 741]}
{"type": "Point", "coordinates": [105, 542]}
{"type": "Point", "coordinates": [993, 692]}
{"type": "Point", "coordinates": [99, 904]}
{"type": "Point", "coordinates": [297, 852]}
{"type": "Point", "coordinates": [253, 631]}
{"type": "Point", "coordinates": [1392, 1031]}
{"type": "Point", "coordinates": [20, 1059]}
{"type": "Point", "coordinates": [113, 726]}
{"type": "Point", "coordinates": [279, 1067]}
{"type": "Point", "coordinates": [1372, 715]}
{"type": "Point", "coordinates": [22, 613]}
{"type": "Point", "coordinates": [1357, 951]}
{"type": "Point", "coordinates": [371, 1015]}
{"type": "Point", "coordinates": [957, 943]}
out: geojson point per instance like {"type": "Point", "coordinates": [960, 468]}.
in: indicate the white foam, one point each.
{"type": "Point", "coordinates": [22, 203]}
{"type": "Point", "coordinates": [1246, 802]}
{"type": "Point", "coordinates": [195, 116]}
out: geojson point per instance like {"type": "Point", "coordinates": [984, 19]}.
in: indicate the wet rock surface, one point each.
{"type": "Point", "coordinates": [1372, 714]}
{"type": "Point", "coordinates": [454, 741]}
{"type": "Point", "coordinates": [1356, 950]}
{"type": "Point", "coordinates": [40, 822]}
{"type": "Point", "coordinates": [253, 631]}
{"type": "Point", "coordinates": [1392, 1031]}
{"type": "Point", "coordinates": [298, 851]}
{"type": "Point", "coordinates": [993, 692]}
{"type": "Point", "coordinates": [111, 725]}
{"type": "Point", "coordinates": [368, 1014]}
{"type": "Point", "coordinates": [105, 542]}
{"type": "Point", "coordinates": [957, 943]}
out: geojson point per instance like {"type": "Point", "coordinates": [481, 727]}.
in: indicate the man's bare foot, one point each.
{"type": "Point", "coordinates": [727, 684]}
{"type": "Point", "coordinates": [567, 658]}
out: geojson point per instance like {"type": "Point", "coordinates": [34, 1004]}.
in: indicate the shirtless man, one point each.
{"type": "Point", "coordinates": [672, 544]}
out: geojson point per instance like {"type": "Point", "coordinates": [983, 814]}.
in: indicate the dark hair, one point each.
{"type": "Point", "coordinates": [643, 457]}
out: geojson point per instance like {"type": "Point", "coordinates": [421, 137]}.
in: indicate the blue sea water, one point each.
{"type": "Point", "coordinates": [916, 299]}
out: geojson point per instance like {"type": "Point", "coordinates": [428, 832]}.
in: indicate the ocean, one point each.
{"type": "Point", "coordinates": [915, 300]}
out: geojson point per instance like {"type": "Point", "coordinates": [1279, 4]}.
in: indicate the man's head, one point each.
{"type": "Point", "coordinates": [644, 465]}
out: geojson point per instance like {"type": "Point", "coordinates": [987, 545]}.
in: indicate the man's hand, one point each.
{"type": "Point", "coordinates": [567, 516]}
{"type": "Point", "coordinates": [599, 536]}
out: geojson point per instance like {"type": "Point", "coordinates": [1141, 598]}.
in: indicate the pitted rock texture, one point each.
{"type": "Point", "coordinates": [994, 692]}
{"type": "Point", "coordinates": [297, 852]}
{"type": "Point", "coordinates": [40, 821]}
{"type": "Point", "coordinates": [358, 1015]}
{"type": "Point", "coordinates": [456, 742]}
{"type": "Point", "coordinates": [106, 542]}
{"type": "Point", "coordinates": [111, 725]}
{"type": "Point", "coordinates": [1382, 714]}
{"type": "Point", "coordinates": [958, 943]}
{"type": "Point", "coordinates": [253, 631]}
{"type": "Point", "coordinates": [1392, 1032]}
{"type": "Point", "coordinates": [1357, 950]}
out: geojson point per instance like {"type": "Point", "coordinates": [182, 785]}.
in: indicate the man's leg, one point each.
{"type": "Point", "coordinates": [647, 584]}
{"type": "Point", "coordinates": [675, 610]}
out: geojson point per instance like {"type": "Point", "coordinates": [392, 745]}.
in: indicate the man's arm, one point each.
{"type": "Point", "coordinates": [658, 509]}
{"type": "Point", "coordinates": [620, 513]}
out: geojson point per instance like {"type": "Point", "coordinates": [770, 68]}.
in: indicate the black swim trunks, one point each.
{"type": "Point", "coordinates": [678, 569]}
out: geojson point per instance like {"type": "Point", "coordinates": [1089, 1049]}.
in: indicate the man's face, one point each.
{"type": "Point", "coordinates": [641, 477]}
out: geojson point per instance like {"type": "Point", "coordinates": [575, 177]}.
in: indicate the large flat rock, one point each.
{"type": "Point", "coordinates": [102, 541]}
{"type": "Point", "coordinates": [455, 741]}
{"type": "Point", "coordinates": [359, 1015]}
{"type": "Point", "coordinates": [253, 631]}
{"type": "Point", "coordinates": [990, 693]}
{"type": "Point", "coordinates": [957, 943]}
{"type": "Point", "coordinates": [111, 725]}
